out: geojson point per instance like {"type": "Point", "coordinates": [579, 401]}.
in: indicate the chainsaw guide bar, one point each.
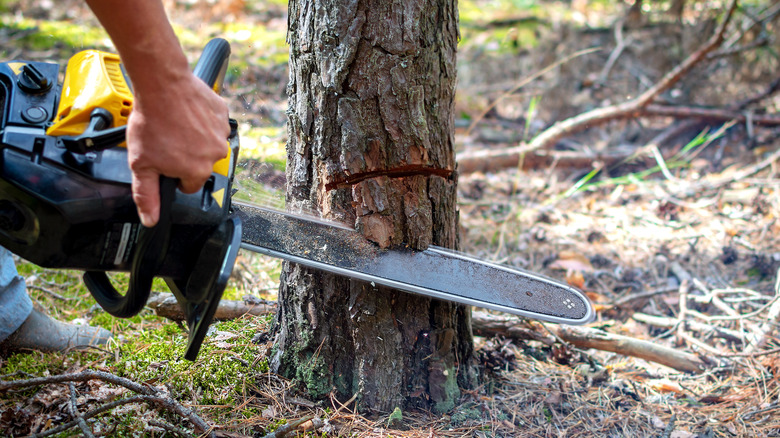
{"type": "Point", "coordinates": [434, 272]}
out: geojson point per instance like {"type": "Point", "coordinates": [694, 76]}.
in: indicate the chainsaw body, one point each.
{"type": "Point", "coordinates": [65, 190]}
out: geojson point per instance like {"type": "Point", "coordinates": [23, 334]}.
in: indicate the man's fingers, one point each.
{"type": "Point", "coordinates": [189, 185]}
{"type": "Point", "coordinates": [146, 194]}
{"type": "Point", "coordinates": [196, 177]}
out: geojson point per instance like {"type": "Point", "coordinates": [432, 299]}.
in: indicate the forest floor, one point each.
{"type": "Point", "coordinates": [669, 222]}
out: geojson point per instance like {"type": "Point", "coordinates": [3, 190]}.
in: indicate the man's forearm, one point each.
{"type": "Point", "coordinates": [142, 34]}
{"type": "Point", "coordinates": [178, 126]}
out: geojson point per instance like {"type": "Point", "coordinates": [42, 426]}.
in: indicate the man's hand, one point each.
{"type": "Point", "coordinates": [178, 126]}
{"type": "Point", "coordinates": [178, 131]}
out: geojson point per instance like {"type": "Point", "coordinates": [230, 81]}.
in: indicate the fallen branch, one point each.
{"type": "Point", "coordinates": [496, 159]}
{"type": "Point", "coordinates": [583, 337]}
{"type": "Point", "coordinates": [633, 107]}
{"type": "Point", "coordinates": [720, 114]}
{"type": "Point", "coordinates": [490, 160]}
{"type": "Point", "coordinates": [166, 306]}
{"type": "Point", "coordinates": [489, 325]}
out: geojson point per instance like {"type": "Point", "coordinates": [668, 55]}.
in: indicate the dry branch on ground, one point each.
{"type": "Point", "coordinates": [532, 154]}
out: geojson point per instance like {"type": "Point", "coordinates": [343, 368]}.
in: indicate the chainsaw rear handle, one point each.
{"type": "Point", "coordinates": [153, 243]}
{"type": "Point", "coordinates": [147, 259]}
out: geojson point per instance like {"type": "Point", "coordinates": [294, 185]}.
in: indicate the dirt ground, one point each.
{"type": "Point", "coordinates": [671, 224]}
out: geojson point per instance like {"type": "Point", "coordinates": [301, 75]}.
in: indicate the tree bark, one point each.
{"type": "Point", "coordinates": [370, 143]}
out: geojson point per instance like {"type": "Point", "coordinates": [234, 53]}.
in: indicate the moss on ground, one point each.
{"type": "Point", "coordinates": [45, 34]}
{"type": "Point", "coordinates": [146, 348]}
{"type": "Point", "coordinates": [226, 360]}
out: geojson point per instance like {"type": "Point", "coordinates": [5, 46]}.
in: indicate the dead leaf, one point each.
{"type": "Point", "coordinates": [224, 336]}
{"type": "Point", "coordinates": [572, 261]}
{"type": "Point", "coordinates": [664, 385]}
{"type": "Point", "coordinates": [553, 398]}
{"type": "Point", "coordinates": [576, 279]}
{"type": "Point", "coordinates": [269, 412]}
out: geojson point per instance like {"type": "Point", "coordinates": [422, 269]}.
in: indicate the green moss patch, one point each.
{"type": "Point", "coordinates": [44, 35]}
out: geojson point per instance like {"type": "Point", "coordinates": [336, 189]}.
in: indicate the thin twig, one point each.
{"type": "Point", "coordinates": [152, 394]}
{"type": "Point", "coordinates": [696, 187]}
{"type": "Point", "coordinates": [50, 292]}
{"type": "Point", "coordinates": [170, 428]}
{"type": "Point", "coordinates": [628, 298]}
{"type": "Point", "coordinates": [756, 354]}
{"type": "Point", "coordinates": [667, 322]}
{"type": "Point", "coordinates": [74, 412]}
{"type": "Point", "coordinates": [669, 427]}
{"type": "Point", "coordinates": [613, 57]}
{"type": "Point", "coordinates": [92, 413]}
{"type": "Point", "coordinates": [773, 316]}
{"type": "Point", "coordinates": [680, 326]}
{"type": "Point", "coordinates": [286, 429]}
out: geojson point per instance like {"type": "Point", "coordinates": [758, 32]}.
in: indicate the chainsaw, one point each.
{"type": "Point", "coordinates": [66, 203]}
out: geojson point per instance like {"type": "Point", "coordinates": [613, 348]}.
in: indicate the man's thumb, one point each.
{"type": "Point", "coordinates": [146, 194]}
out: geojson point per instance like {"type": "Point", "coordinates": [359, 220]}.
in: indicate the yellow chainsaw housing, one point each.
{"type": "Point", "coordinates": [94, 79]}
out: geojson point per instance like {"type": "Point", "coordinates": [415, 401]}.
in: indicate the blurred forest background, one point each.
{"type": "Point", "coordinates": [584, 153]}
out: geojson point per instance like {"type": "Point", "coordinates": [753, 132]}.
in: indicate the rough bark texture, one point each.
{"type": "Point", "coordinates": [370, 143]}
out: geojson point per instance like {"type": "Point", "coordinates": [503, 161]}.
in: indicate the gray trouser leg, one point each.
{"type": "Point", "coordinates": [15, 304]}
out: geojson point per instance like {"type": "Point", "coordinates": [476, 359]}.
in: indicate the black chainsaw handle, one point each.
{"type": "Point", "coordinates": [153, 242]}
{"type": "Point", "coordinates": [147, 259]}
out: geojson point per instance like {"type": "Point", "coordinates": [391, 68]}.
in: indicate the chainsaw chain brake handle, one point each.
{"type": "Point", "coordinates": [199, 294]}
{"type": "Point", "coordinates": [98, 136]}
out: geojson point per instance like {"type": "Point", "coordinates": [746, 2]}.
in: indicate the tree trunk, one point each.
{"type": "Point", "coordinates": [370, 143]}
